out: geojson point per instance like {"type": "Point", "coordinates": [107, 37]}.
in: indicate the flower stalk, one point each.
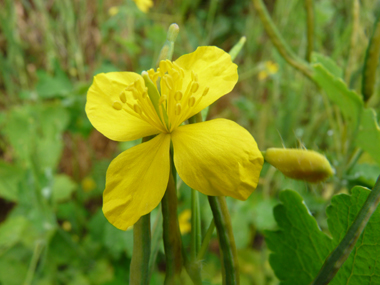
{"type": "Point", "coordinates": [139, 269]}
{"type": "Point", "coordinates": [278, 41]}
{"type": "Point", "coordinates": [171, 233]}
{"type": "Point", "coordinates": [222, 219]}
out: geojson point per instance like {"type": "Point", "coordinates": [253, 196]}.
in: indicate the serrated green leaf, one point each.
{"type": "Point", "coordinates": [363, 264]}
{"type": "Point", "coordinates": [348, 101]}
{"type": "Point", "coordinates": [368, 137]}
{"type": "Point", "coordinates": [299, 247]}
{"type": "Point", "coordinates": [328, 63]}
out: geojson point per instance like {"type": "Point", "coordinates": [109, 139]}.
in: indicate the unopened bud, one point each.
{"type": "Point", "coordinates": [300, 164]}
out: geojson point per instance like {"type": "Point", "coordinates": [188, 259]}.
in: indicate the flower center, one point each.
{"type": "Point", "coordinates": [179, 95]}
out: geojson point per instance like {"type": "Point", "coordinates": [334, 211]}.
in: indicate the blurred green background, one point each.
{"type": "Point", "coordinates": [53, 162]}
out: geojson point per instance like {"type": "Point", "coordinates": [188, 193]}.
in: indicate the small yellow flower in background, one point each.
{"type": "Point", "coordinates": [271, 67]}
{"type": "Point", "coordinates": [300, 164]}
{"type": "Point", "coordinates": [113, 11]}
{"type": "Point", "coordinates": [184, 221]}
{"type": "Point", "coordinates": [143, 5]}
{"type": "Point", "coordinates": [66, 226]}
{"type": "Point", "coordinates": [88, 184]}
{"type": "Point", "coordinates": [217, 157]}
{"type": "Point", "coordinates": [262, 75]}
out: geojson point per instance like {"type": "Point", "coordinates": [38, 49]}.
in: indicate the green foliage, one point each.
{"type": "Point", "coordinates": [362, 266]}
{"type": "Point", "coordinates": [300, 247]}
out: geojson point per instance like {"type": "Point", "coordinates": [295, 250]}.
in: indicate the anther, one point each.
{"type": "Point", "coordinates": [194, 76]}
{"type": "Point", "coordinates": [191, 101]}
{"type": "Point", "coordinates": [163, 98]}
{"type": "Point", "coordinates": [169, 81]}
{"type": "Point", "coordinates": [194, 87]}
{"type": "Point", "coordinates": [178, 109]}
{"type": "Point", "coordinates": [163, 67]}
{"type": "Point", "coordinates": [178, 96]}
{"type": "Point", "coordinates": [117, 105]}
{"type": "Point", "coordinates": [122, 97]}
{"type": "Point", "coordinates": [137, 109]}
{"type": "Point", "coordinates": [205, 91]}
{"type": "Point", "coordinates": [175, 74]}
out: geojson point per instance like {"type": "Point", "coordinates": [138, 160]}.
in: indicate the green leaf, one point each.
{"type": "Point", "coordinates": [299, 247]}
{"type": "Point", "coordinates": [63, 187]}
{"type": "Point", "coordinates": [348, 101]}
{"type": "Point", "coordinates": [11, 232]}
{"type": "Point", "coordinates": [35, 130]}
{"type": "Point", "coordinates": [363, 174]}
{"type": "Point", "coordinates": [363, 264]}
{"type": "Point", "coordinates": [10, 177]}
{"type": "Point", "coordinates": [328, 63]}
{"type": "Point", "coordinates": [368, 137]}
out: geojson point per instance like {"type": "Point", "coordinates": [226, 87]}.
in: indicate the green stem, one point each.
{"type": "Point", "coordinates": [371, 62]}
{"type": "Point", "coordinates": [206, 240]}
{"type": "Point", "coordinates": [139, 269]}
{"type": "Point", "coordinates": [278, 41]}
{"type": "Point", "coordinates": [343, 250]}
{"type": "Point", "coordinates": [226, 240]}
{"type": "Point", "coordinates": [156, 240]}
{"type": "Point", "coordinates": [196, 234]}
{"type": "Point", "coordinates": [309, 5]}
{"type": "Point", "coordinates": [171, 233]}
{"type": "Point", "coordinates": [33, 263]}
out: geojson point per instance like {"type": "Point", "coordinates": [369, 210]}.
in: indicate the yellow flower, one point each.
{"type": "Point", "coordinates": [272, 67]}
{"type": "Point", "coordinates": [184, 221]}
{"type": "Point", "coordinates": [262, 75]}
{"type": "Point", "coordinates": [113, 11]}
{"type": "Point", "coordinates": [216, 157]}
{"type": "Point", "coordinates": [88, 184]}
{"type": "Point", "coordinates": [143, 5]}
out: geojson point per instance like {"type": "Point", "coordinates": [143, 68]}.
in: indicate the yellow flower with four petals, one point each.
{"type": "Point", "coordinates": [217, 157]}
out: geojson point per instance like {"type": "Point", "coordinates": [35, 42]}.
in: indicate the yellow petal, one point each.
{"type": "Point", "coordinates": [217, 158]}
{"type": "Point", "coordinates": [106, 110]}
{"type": "Point", "coordinates": [143, 5]}
{"type": "Point", "coordinates": [214, 69]}
{"type": "Point", "coordinates": [136, 182]}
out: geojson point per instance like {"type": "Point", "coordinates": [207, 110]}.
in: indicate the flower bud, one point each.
{"type": "Point", "coordinates": [300, 164]}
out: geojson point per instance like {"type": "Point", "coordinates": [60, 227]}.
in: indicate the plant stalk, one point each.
{"type": "Point", "coordinates": [227, 245]}
{"type": "Point", "coordinates": [139, 269]}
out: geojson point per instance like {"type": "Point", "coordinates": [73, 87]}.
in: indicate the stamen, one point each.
{"type": "Point", "coordinates": [163, 98]}
{"type": "Point", "coordinates": [122, 97]}
{"type": "Point", "coordinates": [205, 91]}
{"type": "Point", "coordinates": [191, 101]}
{"type": "Point", "coordinates": [194, 87]}
{"type": "Point", "coordinates": [167, 82]}
{"type": "Point", "coordinates": [194, 76]}
{"type": "Point", "coordinates": [163, 67]}
{"type": "Point", "coordinates": [178, 96]}
{"type": "Point", "coordinates": [137, 109]}
{"type": "Point", "coordinates": [175, 74]}
{"type": "Point", "coordinates": [178, 109]}
{"type": "Point", "coordinates": [117, 105]}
